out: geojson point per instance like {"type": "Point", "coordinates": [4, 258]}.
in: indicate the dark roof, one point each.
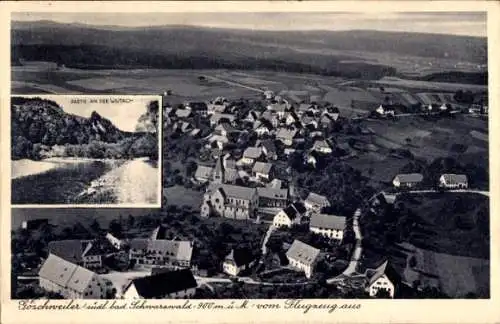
{"type": "Point", "coordinates": [159, 233]}
{"type": "Point", "coordinates": [240, 256]}
{"type": "Point", "coordinates": [160, 285]}
{"type": "Point", "coordinates": [384, 268]}
{"type": "Point", "coordinates": [198, 106]}
{"type": "Point", "coordinates": [69, 250]}
{"type": "Point", "coordinates": [290, 212]}
{"type": "Point", "coordinates": [299, 207]}
{"type": "Point", "coordinates": [269, 145]}
{"type": "Point", "coordinates": [36, 223]}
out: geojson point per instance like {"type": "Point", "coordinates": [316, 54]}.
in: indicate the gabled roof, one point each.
{"type": "Point", "coordinates": [93, 249]}
{"type": "Point", "coordinates": [383, 269]}
{"type": "Point", "coordinates": [328, 221]}
{"type": "Point", "coordinates": [162, 284]}
{"type": "Point", "coordinates": [286, 133]}
{"type": "Point", "coordinates": [139, 243]}
{"type": "Point", "coordinates": [269, 145]}
{"type": "Point", "coordinates": [262, 167]}
{"type": "Point", "coordinates": [203, 172]}
{"type": "Point", "coordinates": [316, 199]}
{"type": "Point", "coordinates": [272, 193]}
{"type": "Point", "coordinates": [240, 256]}
{"type": "Point", "coordinates": [321, 144]}
{"type": "Point", "coordinates": [299, 207]}
{"type": "Point", "coordinates": [291, 212]}
{"type": "Point", "coordinates": [233, 191]}
{"type": "Point", "coordinates": [275, 184]}
{"type": "Point", "coordinates": [451, 178]}
{"type": "Point", "coordinates": [252, 152]}
{"type": "Point", "coordinates": [302, 252]}
{"type": "Point", "coordinates": [159, 233]}
{"type": "Point", "coordinates": [409, 177]}
{"type": "Point", "coordinates": [80, 279]}
{"type": "Point", "coordinates": [182, 113]}
{"type": "Point", "coordinates": [278, 107]}
{"type": "Point", "coordinates": [226, 127]}
{"type": "Point", "coordinates": [69, 250]}
{"type": "Point", "coordinates": [57, 270]}
{"type": "Point", "coordinates": [65, 274]}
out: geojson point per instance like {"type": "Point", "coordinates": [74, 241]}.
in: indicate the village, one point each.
{"type": "Point", "coordinates": [245, 171]}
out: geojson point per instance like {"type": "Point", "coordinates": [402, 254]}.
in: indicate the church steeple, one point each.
{"type": "Point", "coordinates": [219, 170]}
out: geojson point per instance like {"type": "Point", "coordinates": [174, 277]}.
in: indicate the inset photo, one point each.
{"type": "Point", "coordinates": [86, 150]}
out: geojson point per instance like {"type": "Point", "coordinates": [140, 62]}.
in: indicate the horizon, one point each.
{"type": "Point", "coordinates": [442, 23]}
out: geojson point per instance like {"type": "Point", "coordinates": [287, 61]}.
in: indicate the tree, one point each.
{"type": "Point", "coordinates": [95, 226]}
{"type": "Point", "coordinates": [115, 227]}
{"type": "Point", "coordinates": [130, 221]}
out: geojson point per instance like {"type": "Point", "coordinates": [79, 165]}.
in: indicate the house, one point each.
{"type": "Point", "coordinates": [288, 216]}
{"type": "Point", "coordinates": [262, 128]}
{"type": "Point", "coordinates": [186, 127]}
{"type": "Point", "coordinates": [330, 226]}
{"type": "Point", "coordinates": [309, 122]}
{"type": "Point", "coordinates": [217, 106]}
{"type": "Point", "coordinates": [268, 148]}
{"type": "Point", "coordinates": [34, 224]}
{"type": "Point", "coordinates": [303, 257]}
{"type": "Point", "coordinates": [225, 171]}
{"type": "Point", "coordinates": [183, 113]}
{"type": "Point", "coordinates": [203, 173]}
{"type": "Point", "coordinates": [268, 94]}
{"type": "Point", "coordinates": [407, 180]}
{"type": "Point", "coordinates": [385, 110]}
{"type": "Point", "coordinates": [305, 108]}
{"type": "Point", "coordinates": [453, 181]}
{"type": "Point", "coordinates": [326, 120]}
{"type": "Point", "coordinates": [316, 202]}
{"type": "Point", "coordinates": [225, 129]}
{"type": "Point", "coordinates": [269, 117]}
{"type": "Point", "coordinates": [286, 136]}
{"type": "Point", "coordinates": [84, 253]}
{"type": "Point", "coordinates": [251, 154]}
{"type": "Point", "coordinates": [278, 108]}
{"type": "Point", "coordinates": [169, 284]}
{"type": "Point", "coordinates": [311, 159]}
{"type": "Point", "coordinates": [199, 108]}
{"type": "Point", "coordinates": [148, 253]}
{"type": "Point", "coordinates": [382, 279]}
{"type": "Point", "coordinates": [271, 197]}
{"type": "Point", "coordinates": [229, 201]}
{"type": "Point", "coordinates": [217, 118]}
{"type": "Point", "coordinates": [262, 171]}
{"type": "Point", "coordinates": [115, 242]}
{"type": "Point", "coordinates": [70, 280]}
{"type": "Point", "coordinates": [322, 146]}
{"type": "Point", "coordinates": [334, 113]}
{"type": "Point", "coordinates": [275, 183]}
{"type": "Point", "coordinates": [238, 260]}
{"type": "Point", "coordinates": [291, 118]}
{"type": "Point", "coordinates": [252, 116]}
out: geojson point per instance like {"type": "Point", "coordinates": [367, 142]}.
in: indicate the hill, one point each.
{"type": "Point", "coordinates": [38, 126]}
{"type": "Point", "coordinates": [335, 53]}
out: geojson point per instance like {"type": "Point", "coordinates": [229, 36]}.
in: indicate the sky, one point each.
{"type": "Point", "coordinates": [122, 115]}
{"type": "Point", "coordinates": [456, 23]}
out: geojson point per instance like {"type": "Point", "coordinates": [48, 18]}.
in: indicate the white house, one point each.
{"type": "Point", "coordinates": [238, 260]}
{"type": "Point", "coordinates": [70, 280]}
{"type": "Point", "coordinates": [322, 147]}
{"type": "Point", "coordinates": [453, 181]}
{"type": "Point", "coordinates": [382, 278]}
{"type": "Point", "coordinates": [303, 257]}
{"type": "Point", "coordinates": [171, 284]}
{"type": "Point", "coordinates": [315, 202]}
{"type": "Point", "coordinates": [407, 180]}
{"type": "Point", "coordinates": [286, 136]}
{"type": "Point", "coordinates": [289, 215]}
{"type": "Point", "coordinates": [330, 226]}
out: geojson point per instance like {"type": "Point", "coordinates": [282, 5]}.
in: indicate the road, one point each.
{"type": "Point", "coordinates": [264, 241]}
{"type": "Point", "coordinates": [480, 192]}
{"type": "Point", "coordinates": [135, 181]}
{"type": "Point", "coordinates": [233, 83]}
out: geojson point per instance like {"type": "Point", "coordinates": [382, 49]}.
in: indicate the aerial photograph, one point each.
{"type": "Point", "coordinates": [304, 155]}
{"type": "Point", "coordinates": [85, 150]}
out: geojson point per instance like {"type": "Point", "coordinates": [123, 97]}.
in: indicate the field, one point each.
{"type": "Point", "coordinates": [180, 196]}
{"type": "Point", "coordinates": [439, 86]}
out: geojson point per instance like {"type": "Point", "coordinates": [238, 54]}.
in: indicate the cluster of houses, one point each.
{"type": "Point", "coordinates": [72, 267]}
{"type": "Point", "coordinates": [446, 180]}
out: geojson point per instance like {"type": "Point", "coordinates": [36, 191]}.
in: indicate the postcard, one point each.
{"type": "Point", "coordinates": [242, 162]}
